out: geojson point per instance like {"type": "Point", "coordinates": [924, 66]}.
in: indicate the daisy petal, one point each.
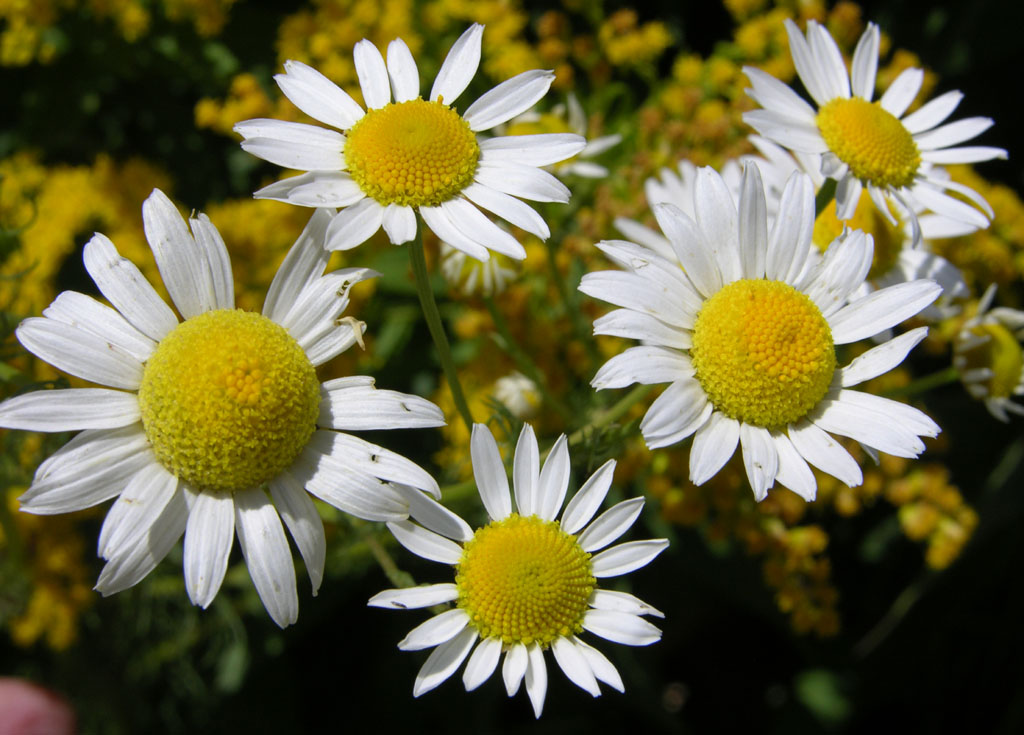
{"type": "Point", "coordinates": [304, 523]}
{"type": "Point", "coordinates": [679, 411]}
{"type": "Point", "coordinates": [137, 508]}
{"type": "Point", "coordinates": [314, 189]}
{"type": "Point", "coordinates": [697, 261]}
{"type": "Point", "coordinates": [824, 452]}
{"type": "Point", "coordinates": [865, 63]}
{"type": "Point", "coordinates": [867, 426]}
{"type": "Point", "coordinates": [221, 284]}
{"type": "Point", "coordinates": [510, 98]}
{"type": "Point", "coordinates": [554, 480]}
{"type": "Point", "coordinates": [526, 473]}
{"type": "Point", "coordinates": [622, 602]}
{"type": "Point", "coordinates": [645, 364]}
{"type": "Point", "coordinates": [79, 353]}
{"type": "Point", "coordinates": [793, 470]}
{"type": "Point", "coordinates": [881, 359]}
{"type": "Point", "coordinates": [753, 224]}
{"type": "Point", "coordinates": [717, 219]}
{"type": "Point", "coordinates": [304, 264]}
{"type": "Point", "coordinates": [509, 208]}
{"type": "Point", "coordinates": [881, 310]}
{"type": "Point", "coordinates": [603, 669]}
{"type": "Point", "coordinates": [953, 133]}
{"type": "Point", "coordinates": [482, 663]}
{"type": "Point", "coordinates": [373, 75]}
{"type": "Point", "coordinates": [627, 557]}
{"type": "Point", "coordinates": [534, 150]}
{"type": "Point", "coordinates": [536, 678]}
{"type": "Point", "coordinates": [789, 241]}
{"type": "Point", "coordinates": [799, 135]}
{"type": "Point", "coordinates": [489, 473]}
{"type": "Point", "coordinates": [760, 459]}
{"type": "Point", "coordinates": [520, 180]}
{"type": "Point", "coordinates": [362, 456]}
{"type": "Point", "coordinates": [831, 67]}
{"type": "Point", "coordinates": [70, 409]}
{"type": "Point", "coordinates": [514, 668]}
{"type": "Point", "coordinates": [399, 223]}
{"type": "Point", "coordinates": [713, 445]}
{"type": "Point", "coordinates": [932, 112]}
{"type": "Point", "coordinates": [906, 416]}
{"type": "Point", "coordinates": [475, 226]}
{"type": "Point", "coordinates": [588, 499]}
{"type": "Point", "coordinates": [437, 219]}
{"type": "Point", "coordinates": [354, 404]}
{"type": "Point", "coordinates": [575, 666]}
{"type": "Point", "coordinates": [636, 325]}
{"type": "Point", "coordinates": [318, 96]}
{"type": "Point", "coordinates": [405, 77]}
{"type": "Point", "coordinates": [773, 95]}
{"type": "Point", "coordinates": [459, 66]}
{"type": "Point", "coordinates": [410, 598]}
{"type": "Point", "coordinates": [620, 627]}
{"type": "Point", "coordinates": [808, 66]}
{"type": "Point", "coordinates": [354, 225]}
{"type": "Point", "coordinates": [439, 629]}
{"type": "Point", "coordinates": [293, 145]}
{"type": "Point", "coordinates": [88, 314]}
{"type": "Point", "coordinates": [611, 524]}
{"type": "Point", "coordinates": [266, 553]}
{"type": "Point", "coordinates": [424, 543]}
{"type": "Point", "coordinates": [434, 516]}
{"type": "Point", "coordinates": [443, 661]}
{"type": "Point", "coordinates": [902, 91]}
{"type": "Point", "coordinates": [209, 534]}
{"type": "Point", "coordinates": [181, 264]}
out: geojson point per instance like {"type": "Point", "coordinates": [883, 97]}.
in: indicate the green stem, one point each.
{"type": "Point", "coordinates": [825, 195]}
{"type": "Point", "coordinates": [433, 317]}
{"type": "Point", "coordinates": [612, 414]}
{"type": "Point", "coordinates": [395, 575]}
{"type": "Point", "coordinates": [925, 384]}
{"type": "Point", "coordinates": [523, 361]}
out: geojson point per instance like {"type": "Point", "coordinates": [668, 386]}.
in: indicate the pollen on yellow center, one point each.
{"type": "Point", "coordinates": [763, 352]}
{"type": "Point", "coordinates": [524, 580]}
{"type": "Point", "coordinates": [228, 400]}
{"type": "Point", "coordinates": [415, 153]}
{"type": "Point", "coordinates": [888, 238]}
{"type": "Point", "coordinates": [1001, 353]}
{"type": "Point", "coordinates": [870, 140]}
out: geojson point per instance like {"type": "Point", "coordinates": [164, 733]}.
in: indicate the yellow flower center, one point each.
{"type": "Point", "coordinates": [888, 238]}
{"type": "Point", "coordinates": [763, 352]}
{"type": "Point", "coordinates": [228, 400]}
{"type": "Point", "coordinates": [524, 580]}
{"type": "Point", "coordinates": [870, 140]}
{"type": "Point", "coordinates": [414, 153]}
{"type": "Point", "coordinates": [1001, 353]}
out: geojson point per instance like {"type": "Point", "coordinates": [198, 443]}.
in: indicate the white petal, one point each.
{"type": "Point", "coordinates": [88, 314]}
{"type": "Point", "coordinates": [793, 470]}
{"type": "Point", "coordinates": [266, 552]}
{"type": "Point", "coordinates": [93, 467]}
{"type": "Point", "coordinates": [713, 445]}
{"type": "Point", "coordinates": [526, 473]}
{"type": "Point", "coordinates": [575, 666]}
{"type": "Point", "coordinates": [459, 66]}
{"type": "Point", "coordinates": [124, 286]}
{"type": "Point", "coordinates": [868, 427]}
{"type": "Point", "coordinates": [790, 238]}
{"type": "Point", "coordinates": [79, 353]}
{"type": "Point", "coordinates": [753, 224]}
{"type": "Point", "coordinates": [680, 410]}
{"type": "Point", "coordinates": [808, 66]}
{"type": "Point", "coordinates": [137, 508]}
{"type": "Point", "coordinates": [831, 66]}
{"type": "Point", "coordinates": [405, 77]}
{"type": "Point", "coordinates": [354, 225]}
{"type": "Point", "coordinates": [520, 180]}
{"type": "Point", "coordinates": [475, 226]}
{"type": "Point", "coordinates": [443, 661]}
{"type": "Point", "coordinates": [209, 535]}
{"type": "Point", "coordinates": [438, 220]}
{"type": "Point", "coordinates": [424, 543]}
{"type": "Point", "coordinates": [637, 325]}
{"type": "Point", "coordinates": [659, 293]}
{"type": "Point", "coordinates": [293, 145]}
{"type": "Point", "coordinates": [717, 219]}
{"type": "Point", "coordinates": [510, 98]}
{"type": "Point", "coordinates": [825, 453]}
{"type": "Point", "coordinates": [696, 258]}
{"type": "Point", "coordinates": [865, 63]}
{"type": "Point", "coordinates": [760, 459]}
{"type": "Point", "coordinates": [373, 75]}
{"type": "Point", "coordinates": [953, 133]}
{"type": "Point", "coordinates": [489, 473]}
{"type": "Point", "coordinates": [932, 112]}
{"type": "Point", "coordinates": [798, 135]}
{"type": "Point", "coordinates": [411, 598]}
{"type": "Point", "coordinates": [514, 668]}
{"type": "Point", "coordinates": [399, 223]}
{"type": "Point", "coordinates": [774, 95]}
{"type": "Point", "coordinates": [432, 515]}
{"type": "Point", "coordinates": [620, 627]}
{"type": "Point", "coordinates": [534, 150]}
{"type": "Point", "coordinates": [554, 480]}
{"type": "Point", "coordinates": [588, 499]}
{"type": "Point", "coordinates": [314, 189]}
{"type": "Point", "coordinates": [645, 364]}
{"type": "Point", "coordinates": [304, 523]}
{"type": "Point", "coordinates": [622, 602]}
{"type": "Point", "coordinates": [70, 409]}
{"type": "Point", "coordinates": [882, 309]}
{"type": "Point", "coordinates": [603, 669]}
{"type": "Point", "coordinates": [482, 663]}
{"type": "Point", "coordinates": [509, 208]}
{"type": "Point", "coordinates": [304, 264]}
{"type": "Point", "coordinates": [907, 417]}
{"type": "Point", "coordinates": [318, 96]}
{"type": "Point", "coordinates": [902, 91]}
{"type": "Point", "coordinates": [360, 455]}
{"type": "Point", "coordinates": [182, 265]}
{"type": "Point", "coordinates": [649, 238]}
{"type": "Point", "coordinates": [964, 154]}
{"type": "Point", "coordinates": [627, 557]}
{"type": "Point", "coordinates": [337, 484]}
{"type": "Point", "coordinates": [611, 524]}
{"type": "Point", "coordinates": [437, 630]}
{"type": "Point", "coordinates": [536, 678]}
{"type": "Point", "coordinates": [351, 406]}
{"type": "Point", "coordinates": [842, 270]}
{"type": "Point", "coordinates": [881, 359]}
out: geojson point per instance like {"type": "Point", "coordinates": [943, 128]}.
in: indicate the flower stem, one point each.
{"type": "Point", "coordinates": [825, 195]}
{"type": "Point", "coordinates": [433, 317]}
{"type": "Point", "coordinates": [925, 384]}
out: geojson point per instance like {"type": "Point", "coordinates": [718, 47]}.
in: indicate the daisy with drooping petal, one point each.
{"type": "Point", "coordinates": [988, 354]}
{"type": "Point", "coordinates": [870, 144]}
{"type": "Point", "coordinates": [526, 582]}
{"type": "Point", "coordinates": [215, 425]}
{"type": "Point", "coordinates": [745, 333]}
{"type": "Point", "coordinates": [405, 154]}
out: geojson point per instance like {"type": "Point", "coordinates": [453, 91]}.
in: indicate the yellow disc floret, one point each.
{"type": "Point", "coordinates": [870, 140]}
{"type": "Point", "coordinates": [415, 153]}
{"type": "Point", "coordinates": [888, 238]}
{"type": "Point", "coordinates": [524, 580]}
{"type": "Point", "coordinates": [1001, 353]}
{"type": "Point", "coordinates": [763, 352]}
{"type": "Point", "coordinates": [228, 400]}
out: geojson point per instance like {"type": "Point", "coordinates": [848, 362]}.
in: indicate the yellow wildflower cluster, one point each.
{"type": "Point", "coordinates": [932, 510]}
{"type": "Point", "coordinates": [627, 44]}
{"type": "Point", "coordinates": [30, 27]}
{"type": "Point", "coordinates": [51, 551]}
{"type": "Point", "coordinates": [246, 100]}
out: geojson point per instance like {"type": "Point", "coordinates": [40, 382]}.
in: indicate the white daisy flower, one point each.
{"type": "Point", "coordinates": [473, 277]}
{"type": "Point", "coordinates": [217, 424]}
{"type": "Point", "coordinates": [870, 144]}
{"type": "Point", "coordinates": [406, 154]}
{"type": "Point", "coordinates": [526, 582]}
{"type": "Point", "coordinates": [988, 353]}
{"type": "Point", "coordinates": [518, 394]}
{"type": "Point", "coordinates": [745, 334]}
